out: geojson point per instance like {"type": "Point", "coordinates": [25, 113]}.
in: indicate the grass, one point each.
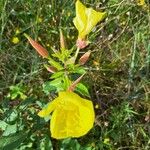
{"type": "Point", "coordinates": [118, 71]}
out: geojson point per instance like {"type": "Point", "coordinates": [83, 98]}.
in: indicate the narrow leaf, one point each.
{"type": "Point", "coordinates": [55, 64]}
{"type": "Point", "coordinates": [13, 141]}
{"type": "Point", "coordinates": [82, 89]}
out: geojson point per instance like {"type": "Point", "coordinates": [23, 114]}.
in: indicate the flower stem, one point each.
{"type": "Point", "coordinates": [77, 52]}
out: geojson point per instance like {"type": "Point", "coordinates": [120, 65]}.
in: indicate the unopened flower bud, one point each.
{"type": "Point", "coordinates": [84, 58]}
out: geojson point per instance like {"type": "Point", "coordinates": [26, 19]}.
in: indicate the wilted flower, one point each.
{"type": "Point", "coordinates": [85, 20]}
{"type": "Point", "coordinates": [72, 115]}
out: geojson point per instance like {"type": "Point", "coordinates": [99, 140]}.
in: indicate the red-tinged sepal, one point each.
{"type": "Point", "coordinates": [50, 69]}
{"type": "Point", "coordinates": [81, 43]}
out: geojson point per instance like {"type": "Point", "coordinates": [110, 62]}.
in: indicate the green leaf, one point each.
{"type": "Point", "coordinates": [45, 144]}
{"type": "Point", "coordinates": [70, 144]}
{"type": "Point", "coordinates": [12, 115]}
{"type": "Point", "coordinates": [59, 56]}
{"type": "Point", "coordinates": [13, 141]}
{"type": "Point", "coordinates": [24, 104]}
{"type": "Point", "coordinates": [47, 87]}
{"type": "Point", "coordinates": [82, 89]}
{"type": "Point", "coordinates": [66, 83]}
{"type": "Point", "coordinates": [3, 125]}
{"type": "Point", "coordinates": [56, 75]}
{"type": "Point", "coordinates": [14, 95]}
{"type": "Point", "coordinates": [55, 85]}
{"type": "Point", "coordinates": [22, 96]}
{"type": "Point", "coordinates": [10, 129]}
{"type": "Point", "coordinates": [79, 70]}
{"type": "Point", "coordinates": [63, 55]}
{"type": "Point", "coordinates": [17, 91]}
{"type": "Point", "coordinates": [55, 64]}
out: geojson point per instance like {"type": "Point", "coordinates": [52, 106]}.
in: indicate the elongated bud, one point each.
{"type": "Point", "coordinates": [73, 85]}
{"type": "Point", "coordinates": [81, 43]}
{"type": "Point", "coordinates": [84, 58]}
{"type": "Point", "coordinates": [62, 40]}
{"type": "Point", "coordinates": [50, 69]}
{"type": "Point", "coordinates": [40, 49]}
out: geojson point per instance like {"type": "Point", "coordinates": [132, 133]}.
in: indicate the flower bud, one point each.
{"type": "Point", "coordinates": [84, 58]}
{"type": "Point", "coordinates": [40, 49]}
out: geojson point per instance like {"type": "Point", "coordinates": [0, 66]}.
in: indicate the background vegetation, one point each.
{"type": "Point", "coordinates": [118, 74]}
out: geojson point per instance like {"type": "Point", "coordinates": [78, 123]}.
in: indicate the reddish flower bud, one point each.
{"type": "Point", "coordinates": [84, 58]}
{"type": "Point", "coordinates": [40, 49]}
{"type": "Point", "coordinates": [62, 40]}
{"type": "Point", "coordinates": [73, 85]}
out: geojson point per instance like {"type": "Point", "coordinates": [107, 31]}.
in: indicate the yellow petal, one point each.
{"type": "Point", "coordinates": [86, 19]}
{"type": "Point", "coordinates": [63, 123]}
{"type": "Point", "coordinates": [80, 20]}
{"type": "Point", "coordinates": [93, 17]}
{"type": "Point", "coordinates": [48, 109]}
{"type": "Point", "coordinates": [73, 118]}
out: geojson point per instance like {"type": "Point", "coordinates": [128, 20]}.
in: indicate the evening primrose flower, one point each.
{"type": "Point", "coordinates": [72, 115]}
{"type": "Point", "coordinates": [85, 20]}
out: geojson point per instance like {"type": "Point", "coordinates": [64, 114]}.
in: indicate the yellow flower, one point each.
{"type": "Point", "coordinates": [15, 40]}
{"type": "Point", "coordinates": [72, 115]}
{"type": "Point", "coordinates": [141, 2]}
{"type": "Point", "coordinates": [86, 19]}
{"type": "Point", "coordinates": [17, 31]}
{"type": "Point", "coordinates": [106, 140]}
